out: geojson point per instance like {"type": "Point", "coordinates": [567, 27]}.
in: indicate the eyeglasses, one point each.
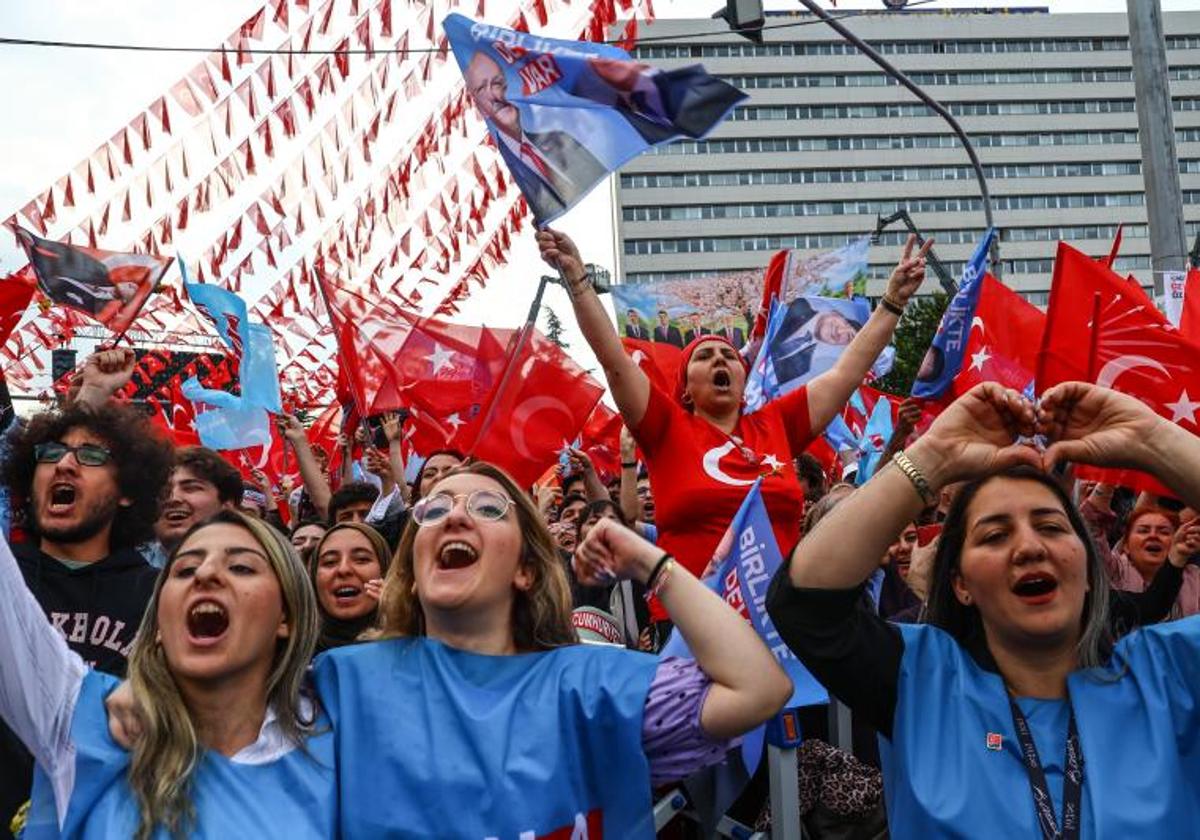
{"type": "Point", "coordinates": [484, 505]}
{"type": "Point", "coordinates": [88, 454]}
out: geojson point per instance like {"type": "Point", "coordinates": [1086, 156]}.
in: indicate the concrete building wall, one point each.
{"type": "Point", "coordinates": [826, 179]}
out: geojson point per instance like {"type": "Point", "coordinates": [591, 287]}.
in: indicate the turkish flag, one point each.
{"type": "Point", "coordinates": [658, 360]}
{"type": "Point", "coordinates": [539, 411]}
{"type": "Point", "coordinates": [1003, 343]}
{"type": "Point", "coordinates": [601, 439]}
{"type": "Point", "coordinates": [16, 290]}
{"type": "Point", "coordinates": [1131, 347]}
{"type": "Point", "coordinates": [1189, 322]}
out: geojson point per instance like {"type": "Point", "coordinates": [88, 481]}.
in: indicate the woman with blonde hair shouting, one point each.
{"type": "Point", "coordinates": [229, 746]}
{"type": "Point", "coordinates": [477, 714]}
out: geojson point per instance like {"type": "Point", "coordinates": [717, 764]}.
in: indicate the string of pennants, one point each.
{"type": "Point", "coordinates": [219, 150]}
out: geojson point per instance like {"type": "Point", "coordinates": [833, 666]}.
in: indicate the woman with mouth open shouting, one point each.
{"type": "Point", "coordinates": [477, 713]}
{"type": "Point", "coordinates": [347, 569]}
{"type": "Point", "coordinates": [1011, 713]}
{"type": "Point", "coordinates": [229, 746]}
{"type": "Point", "coordinates": [702, 454]}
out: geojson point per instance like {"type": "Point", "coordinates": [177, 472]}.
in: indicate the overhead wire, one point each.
{"type": "Point", "coordinates": [682, 39]}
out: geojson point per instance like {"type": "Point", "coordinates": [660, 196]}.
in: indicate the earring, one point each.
{"type": "Point", "coordinates": [966, 598]}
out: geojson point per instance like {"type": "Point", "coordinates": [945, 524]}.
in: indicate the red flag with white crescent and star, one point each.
{"type": "Point", "coordinates": [657, 359]}
{"type": "Point", "coordinates": [1003, 342]}
{"type": "Point", "coordinates": [541, 409]}
{"type": "Point", "coordinates": [1131, 347]}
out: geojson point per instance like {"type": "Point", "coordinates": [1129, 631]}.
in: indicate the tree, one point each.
{"type": "Point", "coordinates": [554, 328]}
{"type": "Point", "coordinates": [913, 337]}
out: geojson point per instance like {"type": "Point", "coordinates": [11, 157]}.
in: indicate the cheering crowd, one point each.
{"type": "Point", "coordinates": [410, 660]}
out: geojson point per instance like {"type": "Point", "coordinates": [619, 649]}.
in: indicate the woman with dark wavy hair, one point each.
{"type": "Point", "coordinates": [1012, 712]}
{"type": "Point", "coordinates": [478, 714]}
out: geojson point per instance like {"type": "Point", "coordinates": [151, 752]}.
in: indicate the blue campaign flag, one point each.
{"type": "Point", "coordinates": [223, 308]}
{"type": "Point", "coordinates": [741, 580]}
{"type": "Point", "coordinates": [804, 339]}
{"type": "Point", "coordinates": [258, 374]}
{"type": "Point", "coordinates": [226, 421]}
{"type": "Point", "coordinates": [564, 114]}
{"type": "Point", "coordinates": [945, 356]}
{"type": "Point", "coordinates": [874, 440]}
{"type": "Point", "coordinates": [838, 435]}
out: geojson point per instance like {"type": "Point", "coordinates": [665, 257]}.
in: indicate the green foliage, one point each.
{"type": "Point", "coordinates": [912, 339]}
{"type": "Point", "coordinates": [554, 328]}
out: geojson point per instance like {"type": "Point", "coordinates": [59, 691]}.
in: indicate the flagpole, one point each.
{"type": "Point", "coordinates": [320, 284]}
{"type": "Point", "coordinates": [522, 336]}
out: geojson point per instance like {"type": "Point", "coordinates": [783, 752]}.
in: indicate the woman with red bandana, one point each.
{"type": "Point", "coordinates": [701, 452]}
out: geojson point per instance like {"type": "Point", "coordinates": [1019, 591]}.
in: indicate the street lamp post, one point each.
{"type": "Point", "coordinates": [937, 107]}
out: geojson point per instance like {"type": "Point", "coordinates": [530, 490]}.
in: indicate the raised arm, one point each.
{"type": "Point", "coordinates": [1093, 425]}
{"type": "Point", "coordinates": [103, 374]}
{"type": "Point", "coordinates": [40, 679]}
{"type": "Point", "coordinates": [593, 487]}
{"type": "Point", "coordinates": [748, 684]}
{"type": "Point", "coordinates": [630, 387]}
{"type": "Point", "coordinates": [829, 392]}
{"type": "Point", "coordinates": [974, 436]}
{"type": "Point", "coordinates": [629, 477]}
{"type": "Point", "coordinates": [310, 470]}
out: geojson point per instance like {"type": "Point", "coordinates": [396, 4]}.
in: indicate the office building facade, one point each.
{"type": "Point", "coordinates": [827, 142]}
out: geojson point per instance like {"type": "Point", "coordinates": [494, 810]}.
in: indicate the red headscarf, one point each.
{"type": "Point", "coordinates": [686, 358]}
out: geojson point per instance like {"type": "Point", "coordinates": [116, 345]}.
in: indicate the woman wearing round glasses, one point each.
{"type": "Point", "coordinates": [476, 714]}
{"type": "Point", "coordinates": [228, 745]}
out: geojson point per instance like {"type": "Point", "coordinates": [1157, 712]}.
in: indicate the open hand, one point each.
{"type": "Point", "coordinates": [1093, 425]}
{"type": "Point", "coordinates": [976, 435]}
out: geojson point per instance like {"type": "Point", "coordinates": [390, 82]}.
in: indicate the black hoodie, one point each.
{"type": "Point", "coordinates": [98, 609]}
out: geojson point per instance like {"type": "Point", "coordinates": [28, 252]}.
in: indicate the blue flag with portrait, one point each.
{"type": "Point", "coordinates": [803, 339]}
{"type": "Point", "coordinates": [944, 358]}
{"type": "Point", "coordinates": [564, 114]}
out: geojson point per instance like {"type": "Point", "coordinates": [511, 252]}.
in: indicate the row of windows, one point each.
{"type": "Point", "coordinates": [1034, 266]}
{"type": "Point", "coordinates": [894, 110]}
{"type": "Point", "coordinates": [954, 204]}
{"type": "Point", "coordinates": [725, 244]}
{"type": "Point", "coordinates": [741, 178]}
{"type": "Point", "coordinates": [931, 47]}
{"type": "Point", "coordinates": [780, 81]}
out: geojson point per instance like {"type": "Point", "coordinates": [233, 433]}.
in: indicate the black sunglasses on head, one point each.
{"type": "Point", "coordinates": [88, 454]}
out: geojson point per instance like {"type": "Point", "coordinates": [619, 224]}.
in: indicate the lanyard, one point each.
{"type": "Point", "coordinates": [1072, 779]}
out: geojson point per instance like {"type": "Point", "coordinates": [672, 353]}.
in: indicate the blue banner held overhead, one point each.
{"type": "Point", "coordinates": [742, 579]}
{"type": "Point", "coordinates": [564, 114]}
{"type": "Point", "coordinates": [944, 358]}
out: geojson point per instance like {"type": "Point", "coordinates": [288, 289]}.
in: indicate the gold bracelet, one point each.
{"type": "Point", "coordinates": [914, 474]}
{"type": "Point", "coordinates": [658, 579]}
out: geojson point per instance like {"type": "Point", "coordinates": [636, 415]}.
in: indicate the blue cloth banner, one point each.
{"type": "Point", "coordinates": [803, 340]}
{"type": "Point", "coordinates": [564, 114]}
{"type": "Point", "coordinates": [874, 440]}
{"type": "Point", "coordinates": [225, 420]}
{"type": "Point", "coordinates": [742, 580]}
{"type": "Point", "coordinates": [223, 308]}
{"type": "Point", "coordinates": [944, 358]}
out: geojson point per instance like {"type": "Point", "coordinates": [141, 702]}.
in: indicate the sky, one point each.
{"type": "Point", "coordinates": [62, 103]}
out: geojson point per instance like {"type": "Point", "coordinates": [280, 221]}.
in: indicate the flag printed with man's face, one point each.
{"type": "Point", "coordinates": [564, 114]}
{"type": "Point", "coordinates": [109, 286]}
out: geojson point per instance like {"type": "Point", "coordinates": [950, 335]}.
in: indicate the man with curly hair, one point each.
{"type": "Point", "coordinates": [92, 479]}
